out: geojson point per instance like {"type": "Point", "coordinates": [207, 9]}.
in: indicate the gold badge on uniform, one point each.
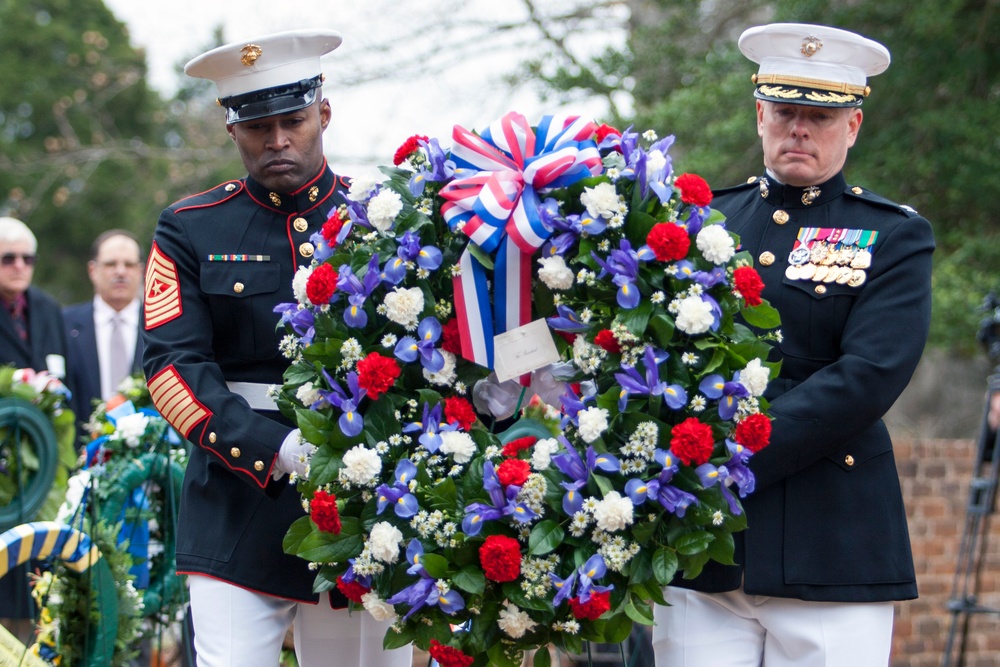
{"type": "Point", "coordinates": [162, 300]}
{"type": "Point", "coordinates": [175, 400]}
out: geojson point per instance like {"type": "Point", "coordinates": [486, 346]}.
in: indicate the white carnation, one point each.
{"type": "Point", "coordinates": [377, 607]}
{"type": "Point", "coordinates": [601, 200]}
{"type": "Point", "coordinates": [614, 512]}
{"type": "Point", "coordinates": [715, 244]}
{"type": "Point", "coordinates": [403, 306]}
{"type": "Point", "coordinates": [361, 188]}
{"type": "Point", "coordinates": [593, 422]}
{"type": "Point", "coordinates": [754, 377]}
{"type": "Point", "coordinates": [130, 428]}
{"type": "Point", "coordinates": [514, 622]}
{"type": "Point", "coordinates": [383, 209]}
{"type": "Point", "coordinates": [307, 394]}
{"type": "Point", "coordinates": [541, 453]}
{"type": "Point", "coordinates": [554, 273]}
{"type": "Point", "coordinates": [446, 375]}
{"type": "Point", "coordinates": [361, 465]}
{"type": "Point", "coordinates": [299, 284]}
{"type": "Point", "coordinates": [383, 542]}
{"type": "Point", "coordinates": [694, 315]}
{"type": "Point", "coordinates": [459, 444]}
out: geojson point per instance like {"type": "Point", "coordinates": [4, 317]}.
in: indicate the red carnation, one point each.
{"type": "Point", "coordinates": [407, 149]}
{"type": "Point", "coordinates": [376, 374]}
{"type": "Point", "coordinates": [691, 441]}
{"type": "Point", "coordinates": [604, 131]}
{"type": "Point", "coordinates": [449, 656]}
{"type": "Point", "coordinates": [331, 228]}
{"type": "Point", "coordinates": [451, 340]}
{"type": "Point", "coordinates": [459, 410]}
{"type": "Point", "coordinates": [592, 609]}
{"type": "Point", "coordinates": [512, 448]}
{"type": "Point", "coordinates": [694, 190]}
{"type": "Point", "coordinates": [567, 336]}
{"type": "Point", "coordinates": [321, 285]}
{"type": "Point", "coordinates": [500, 557]}
{"type": "Point", "coordinates": [748, 283]}
{"type": "Point", "coordinates": [513, 471]}
{"type": "Point", "coordinates": [323, 512]}
{"type": "Point", "coordinates": [669, 242]}
{"type": "Point", "coordinates": [352, 590]}
{"type": "Point", "coordinates": [607, 341]}
{"type": "Point", "coordinates": [754, 432]}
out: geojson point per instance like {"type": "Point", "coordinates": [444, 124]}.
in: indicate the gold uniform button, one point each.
{"type": "Point", "coordinates": [235, 452]}
{"type": "Point", "coordinates": [306, 249]}
{"type": "Point", "coordinates": [211, 437]}
{"type": "Point", "coordinates": [856, 190]}
{"type": "Point", "coordinates": [849, 460]}
{"type": "Point", "coordinates": [752, 179]}
{"type": "Point", "coordinates": [238, 288]}
{"type": "Point", "coordinates": [820, 289]}
{"type": "Point", "coordinates": [230, 187]}
{"type": "Point", "coordinates": [258, 465]}
{"type": "Point", "coordinates": [780, 217]}
{"type": "Point", "coordinates": [300, 224]}
{"type": "Point", "coordinates": [766, 258]}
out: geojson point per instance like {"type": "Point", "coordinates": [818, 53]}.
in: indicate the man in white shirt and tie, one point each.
{"type": "Point", "coordinates": [103, 334]}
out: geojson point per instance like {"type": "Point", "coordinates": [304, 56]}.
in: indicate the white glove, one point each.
{"type": "Point", "coordinates": [294, 455]}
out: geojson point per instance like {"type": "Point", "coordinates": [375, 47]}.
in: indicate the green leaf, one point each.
{"type": "Point", "coordinates": [636, 319]}
{"type": "Point", "coordinates": [542, 657]}
{"type": "Point", "coordinates": [617, 628]}
{"type": "Point", "coordinates": [694, 542]}
{"type": "Point", "coordinates": [545, 537]}
{"type": "Point", "coordinates": [481, 255]}
{"type": "Point", "coordinates": [501, 658]}
{"type": "Point", "coordinates": [639, 610]}
{"type": "Point", "coordinates": [394, 639]}
{"type": "Point", "coordinates": [664, 565]}
{"type": "Point", "coordinates": [436, 565]}
{"type": "Point", "coordinates": [470, 579]}
{"type": "Point", "coordinates": [315, 426]}
{"type": "Point", "coordinates": [663, 328]}
{"type": "Point", "coordinates": [764, 316]}
{"type": "Point", "coordinates": [324, 466]}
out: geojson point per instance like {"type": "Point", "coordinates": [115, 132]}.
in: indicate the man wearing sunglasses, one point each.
{"type": "Point", "coordinates": [31, 336]}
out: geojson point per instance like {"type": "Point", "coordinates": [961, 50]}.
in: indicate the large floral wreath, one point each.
{"type": "Point", "coordinates": [636, 420]}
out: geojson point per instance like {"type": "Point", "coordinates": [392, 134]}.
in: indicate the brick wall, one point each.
{"type": "Point", "coordinates": [936, 476]}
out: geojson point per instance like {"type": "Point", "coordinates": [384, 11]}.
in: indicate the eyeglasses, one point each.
{"type": "Point", "coordinates": [8, 259]}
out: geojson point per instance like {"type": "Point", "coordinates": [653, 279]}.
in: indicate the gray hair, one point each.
{"type": "Point", "coordinates": [13, 230]}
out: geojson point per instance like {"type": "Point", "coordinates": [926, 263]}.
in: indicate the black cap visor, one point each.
{"type": "Point", "coordinates": [271, 101]}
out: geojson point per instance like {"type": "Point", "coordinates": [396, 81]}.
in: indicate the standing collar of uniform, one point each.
{"type": "Point", "coordinates": [789, 196]}
{"type": "Point", "coordinates": [317, 190]}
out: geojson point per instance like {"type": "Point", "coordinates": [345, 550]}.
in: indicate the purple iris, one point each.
{"type": "Point", "coordinates": [632, 383]}
{"type": "Point", "coordinates": [711, 475]}
{"type": "Point", "coordinates": [358, 289]}
{"type": "Point", "coordinates": [582, 579]}
{"type": "Point", "coordinates": [350, 575]}
{"type": "Point", "coordinates": [696, 218]}
{"type": "Point", "coordinates": [572, 404]}
{"type": "Point", "coordinates": [426, 257]}
{"type": "Point", "coordinates": [424, 591]}
{"type": "Point", "coordinates": [408, 348]}
{"type": "Point", "coordinates": [351, 422]}
{"type": "Point", "coordinates": [501, 504]}
{"type": "Point", "coordinates": [430, 428]}
{"type": "Point", "coordinates": [660, 489]}
{"type": "Point", "coordinates": [438, 167]}
{"type": "Point", "coordinates": [727, 393]}
{"type": "Point", "coordinates": [566, 320]}
{"type": "Point", "coordinates": [578, 471]}
{"type": "Point", "coordinates": [404, 503]}
{"type": "Point", "coordinates": [623, 265]}
{"type": "Point", "coordinates": [301, 320]}
{"type": "Point", "coordinates": [636, 168]}
{"type": "Point", "coordinates": [739, 472]}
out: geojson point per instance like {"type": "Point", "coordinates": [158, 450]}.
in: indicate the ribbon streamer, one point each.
{"type": "Point", "coordinates": [497, 208]}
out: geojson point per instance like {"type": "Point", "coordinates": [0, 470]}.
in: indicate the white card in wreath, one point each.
{"type": "Point", "coordinates": [523, 350]}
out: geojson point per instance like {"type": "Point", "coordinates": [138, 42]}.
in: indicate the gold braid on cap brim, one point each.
{"type": "Point", "coordinates": [804, 82]}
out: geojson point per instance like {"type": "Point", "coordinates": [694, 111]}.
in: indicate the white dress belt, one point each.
{"type": "Point", "coordinates": [255, 393]}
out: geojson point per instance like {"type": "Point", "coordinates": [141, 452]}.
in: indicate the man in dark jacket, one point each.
{"type": "Point", "coordinates": [826, 551]}
{"type": "Point", "coordinates": [220, 262]}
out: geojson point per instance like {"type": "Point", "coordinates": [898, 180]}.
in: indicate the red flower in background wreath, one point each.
{"type": "Point", "coordinates": [607, 341]}
{"type": "Point", "coordinates": [513, 471]}
{"type": "Point", "coordinates": [754, 432]}
{"type": "Point", "coordinates": [376, 374]}
{"type": "Point", "coordinates": [518, 445]}
{"type": "Point", "coordinates": [500, 557]}
{"type": "Point", "coordinates": [694, 189]}
{"type": "Point", "coordinates": [323, 512]}
{"type": "Point", "coordinates": [691, 441]}
{"type": "Point", "coordinates": [458, 410]}
{"type": "Point", "coordinates": [592, 609]}
{"type": "Point", "coordinates": [449, 656]}
{"type": "Point", "coordinates": [352, 590]}
{"type": "Point", "coordinates": [747, 282]}
{"type": "Point", "coordinates": [668, 241]}
{"type": "Point", "coordinates": [321, 285]}
{"type": "Point", "coordinates": [407, 149]}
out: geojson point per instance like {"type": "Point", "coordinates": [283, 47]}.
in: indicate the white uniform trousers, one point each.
{"type": "Point", "coordinates": [236, 627]}
{"type": "Point", "coordinates": [734, 629]}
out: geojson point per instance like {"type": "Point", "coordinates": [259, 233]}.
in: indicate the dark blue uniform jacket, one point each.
{"type": "Point", "coordinates": [826, 521]}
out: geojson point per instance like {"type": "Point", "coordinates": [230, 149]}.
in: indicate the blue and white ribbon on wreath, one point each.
{"type": "Point", "coordinates": [497, 208]}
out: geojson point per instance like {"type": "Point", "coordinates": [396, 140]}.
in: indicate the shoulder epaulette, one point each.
{"type": "Point", "coordinates": [752, 182]}
{"type": "Point", "coordinates": [211, 197]}
{"type": "Point", "coordinates": [874, 198]}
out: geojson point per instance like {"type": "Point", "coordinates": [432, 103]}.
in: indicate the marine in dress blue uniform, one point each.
{"type": "Point", "coordinates": [826, 549]}
{"type": "Point", "coordinates": [220, 262]}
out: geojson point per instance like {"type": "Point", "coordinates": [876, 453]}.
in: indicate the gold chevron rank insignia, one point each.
{"type": "Point", "coordinates": [175, 401]}
{"type": "Point", "coordinates": [162, 301]}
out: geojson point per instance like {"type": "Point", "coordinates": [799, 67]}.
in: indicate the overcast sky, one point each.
{"type": "Point", "coordinates": [370, 119]}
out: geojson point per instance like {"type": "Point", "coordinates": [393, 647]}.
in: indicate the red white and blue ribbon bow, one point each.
{"type": "Point", "coordinates": [497, 208]}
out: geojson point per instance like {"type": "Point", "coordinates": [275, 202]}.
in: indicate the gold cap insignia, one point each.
{"type": "Point", "coordinates": [811, 46]}
{"type": "Point", "coordinates": [313, 193]}
{"type": "Point", "coordinates": [275, 199]}
{"type": "Point", "coordinates": [250, 54]}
